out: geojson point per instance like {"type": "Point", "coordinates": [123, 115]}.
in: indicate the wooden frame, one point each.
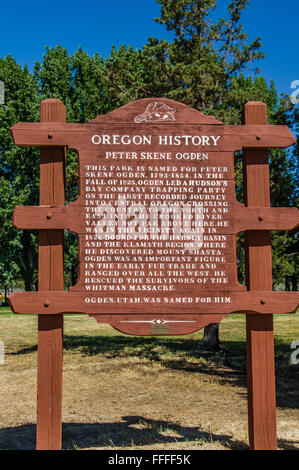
{"type": "Point", "coordinates": [255, 217]}
{"type": "Point", "coordinates": [50, 259]}
{"type": "Point", "coordinates": [259, 329]}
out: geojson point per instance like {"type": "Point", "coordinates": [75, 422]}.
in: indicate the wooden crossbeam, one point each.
{"type": "Point", "coordinates": [73, 218]}
{"type": "Point", "coordinates": [79, 136]}
{"type": "Point", "coordinates": [50, 327]}
{"type": "Point", "coordinates": [261, 302]}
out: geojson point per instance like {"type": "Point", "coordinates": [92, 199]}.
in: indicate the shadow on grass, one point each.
{"type": "Point", "coordinates": [133, 431]}
{"type": "Point", "coordinates": [227, 366]}
{"type": "Point", "coordinates": [27, 350]}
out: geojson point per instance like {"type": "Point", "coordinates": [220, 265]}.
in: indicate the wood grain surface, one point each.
{"type": "Point", "coordinates": [260, 338]}
{"type": "Point", "coordinates": [50, 278]}
{"type": "Point", "coordinates": [72, 217]}
{"type": "Point", "coordinates": [261, 302]}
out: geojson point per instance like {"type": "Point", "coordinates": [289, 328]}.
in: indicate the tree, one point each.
{"type": "Point", "coordinates": [286, 191]}
{"type": "Point", "coordinates": [18, 173]}
{"type": "Point", "coordinates": [203, 66]}
{"type": "Point", "coordinates": [197, 65]}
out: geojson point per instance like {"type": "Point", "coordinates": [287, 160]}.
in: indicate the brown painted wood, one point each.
{"type": "Point", "coordinates": [79, 136]}
{"type": "Point", "coordinates": [137, 116]}
{"type": "Point", "coordinates": [158, 325]}
{"type": "Point", "coordinates": [260, 340]}
{"type": "Point", "coordinates": [96, 169]}
{"type": "Point", "coordinates": [50, 327]}
{"type": "Point", "coordinates": [149, 311]}
{"type": "Point", "coordinates": [72, 218]}
{"type": "Point", "coordinates": [261, 302]}
{"type": "Point", "coordinates": [182, 114]}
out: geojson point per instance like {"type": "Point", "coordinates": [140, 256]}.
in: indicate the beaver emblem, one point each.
{"type": "Point", "coordinates": [156, 112]}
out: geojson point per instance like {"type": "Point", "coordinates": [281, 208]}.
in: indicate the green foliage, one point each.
{"type": "Point", "coordinates": [18, 174]}
{"type": "Point", "coordinates": [204, 55]}
{"type": "Point", "coordinates": [126, 76]}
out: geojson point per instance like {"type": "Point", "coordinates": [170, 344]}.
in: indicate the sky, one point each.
{"type": "Point", "coordinates": [26, 28]}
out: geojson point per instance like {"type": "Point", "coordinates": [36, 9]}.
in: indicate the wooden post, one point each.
{"type": "Point", "coordinates": [50, 327]}
{"type": "Point", "coordinates": [259, 328]}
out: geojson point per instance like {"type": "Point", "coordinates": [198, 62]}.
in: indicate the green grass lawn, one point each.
{"type": "Point", "coordinates": [81, 333]}
{"type": "Point", "coordinates": [144, 392]}
{"type": "Point", "coordinates": [5, 310]}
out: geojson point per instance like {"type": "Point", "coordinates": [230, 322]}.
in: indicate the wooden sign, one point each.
{"type": "Point", "coordinates": [157, 220]}
{"type": "Point", "coordinates": [157, 217]}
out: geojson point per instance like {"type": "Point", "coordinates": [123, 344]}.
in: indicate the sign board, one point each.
{"type": "Point", "coordinates": [157, 217]}
{"type": "Point", "coordinates": [157, 220]}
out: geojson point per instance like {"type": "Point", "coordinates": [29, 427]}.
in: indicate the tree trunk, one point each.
{"type": "Point", "coordinates": [287, 283]}
{"type": "Point", "coordinates": [210, 340]}
{"type": "Point", "coordinates": [74, 274]}
{"type": "Point", "coordinates": [29, 284]}
{"type": "Point", "coordinates": [291, 283]}
{"type": "Point", "coordinates": [294, 283]}
{"type": "Point", "coordinates": [28, 262]}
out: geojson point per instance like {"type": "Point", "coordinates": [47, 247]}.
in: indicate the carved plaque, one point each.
{"type": "Point", "coordinates": [157, 215]}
